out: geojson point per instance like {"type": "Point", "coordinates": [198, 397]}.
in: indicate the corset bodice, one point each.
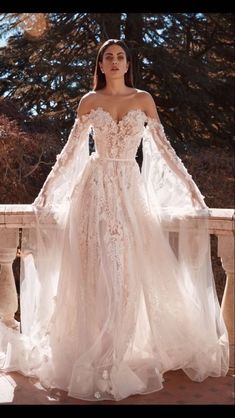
{"type": "Point", "coordinates": [117, 139]}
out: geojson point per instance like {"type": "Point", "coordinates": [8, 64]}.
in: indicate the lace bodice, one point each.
{"type": "Point", "coordinates": [117, 139]}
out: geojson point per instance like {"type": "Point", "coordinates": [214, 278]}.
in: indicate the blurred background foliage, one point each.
{"type": "Point", "coordinates": [185, 60]}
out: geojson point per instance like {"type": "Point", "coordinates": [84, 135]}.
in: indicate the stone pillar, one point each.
{"type": "Point", "coordinates": [226, 252]}
{"type": "Point", "coordinates": [8, 293]}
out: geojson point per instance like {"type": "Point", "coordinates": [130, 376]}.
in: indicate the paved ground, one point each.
{"type": "Point", "coordinates": [178, 390]}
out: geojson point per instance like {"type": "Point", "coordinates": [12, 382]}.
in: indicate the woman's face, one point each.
{"type": "Point", "coordinates": [114, 63]}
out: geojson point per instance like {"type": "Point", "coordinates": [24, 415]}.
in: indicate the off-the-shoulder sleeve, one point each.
{"type": "Point", "coordinates": [168, 168]}
{"type": "Point", "coordinates": [59, 184]}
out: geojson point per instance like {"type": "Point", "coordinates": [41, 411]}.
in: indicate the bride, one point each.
{"type": "Point", "coordinates": [116, 284]}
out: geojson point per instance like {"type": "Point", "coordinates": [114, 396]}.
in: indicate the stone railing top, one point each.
{"type": "Point", "coordinates": [17, 215]}
{"type": "Point", "coordinates": [14, 215]}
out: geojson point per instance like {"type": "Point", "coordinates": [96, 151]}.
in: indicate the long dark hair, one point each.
{"type": "Point", "coordinates": [99, 78]}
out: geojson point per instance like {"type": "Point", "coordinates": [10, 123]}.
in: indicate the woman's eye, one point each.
{"type": "Point", "coordinates": [110, 58]}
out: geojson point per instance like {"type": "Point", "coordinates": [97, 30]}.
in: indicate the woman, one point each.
{"type": "Point", "coordinates": [117, 286]}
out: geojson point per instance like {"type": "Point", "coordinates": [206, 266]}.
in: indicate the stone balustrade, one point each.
{"type": "Point", "coordinates": [14, 217]}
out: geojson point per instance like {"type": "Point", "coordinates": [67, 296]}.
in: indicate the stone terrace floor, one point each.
{"type": "Point", "coordinates": [16, 389]}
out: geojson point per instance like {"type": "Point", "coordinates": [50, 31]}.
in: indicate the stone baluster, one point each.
{"type": "Point", "coordinates": [226, 252]}
{"type": "Point", "coordinates": [8, 293]}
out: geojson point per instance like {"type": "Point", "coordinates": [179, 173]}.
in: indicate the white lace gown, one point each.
{"type": "Point", "coordinates": [112, 304]}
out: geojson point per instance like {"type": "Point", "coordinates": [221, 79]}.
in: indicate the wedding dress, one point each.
{"type": "Point", "coordinates": [116, 282]}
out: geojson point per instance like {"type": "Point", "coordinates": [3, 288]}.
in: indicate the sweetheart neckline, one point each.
{"type": "Point", "coordinates": [117, 123]}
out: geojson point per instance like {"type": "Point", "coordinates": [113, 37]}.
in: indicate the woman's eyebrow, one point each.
{"type": "Point", "coordinates": [110, 53]}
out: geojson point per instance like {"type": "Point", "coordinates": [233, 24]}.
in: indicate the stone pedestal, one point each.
{"type": "Point", "coordinates": [8, 293]}
{"type": "Point", "coordinates": [226, 252]}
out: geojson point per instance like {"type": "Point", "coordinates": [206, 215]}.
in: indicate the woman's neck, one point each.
{"type": "Point", "coordinates": [115, 88]}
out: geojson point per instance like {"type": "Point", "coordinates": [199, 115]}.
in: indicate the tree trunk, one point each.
{"type": "Point", "coordinates": [133, 36]}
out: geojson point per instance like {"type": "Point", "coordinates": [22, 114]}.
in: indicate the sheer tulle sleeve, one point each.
{"type": "Point", "coordinates": [59, 184]}
{"type": "Point", "coordinates": [171, 180]}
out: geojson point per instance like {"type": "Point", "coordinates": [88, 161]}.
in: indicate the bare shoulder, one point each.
{"type": "Point", "coordinates": [147, 104]}
{"type": "Point", "coordinates": [86, 103]}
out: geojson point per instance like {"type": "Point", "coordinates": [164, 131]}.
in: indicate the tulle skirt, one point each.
{"type": "Point", "coordinates": [111, 298]}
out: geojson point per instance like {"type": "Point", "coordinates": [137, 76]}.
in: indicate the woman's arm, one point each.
{"type": "Point", "coordinates": [65, 164]}
{"type": "Point", "coordinates": [168, 152]}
